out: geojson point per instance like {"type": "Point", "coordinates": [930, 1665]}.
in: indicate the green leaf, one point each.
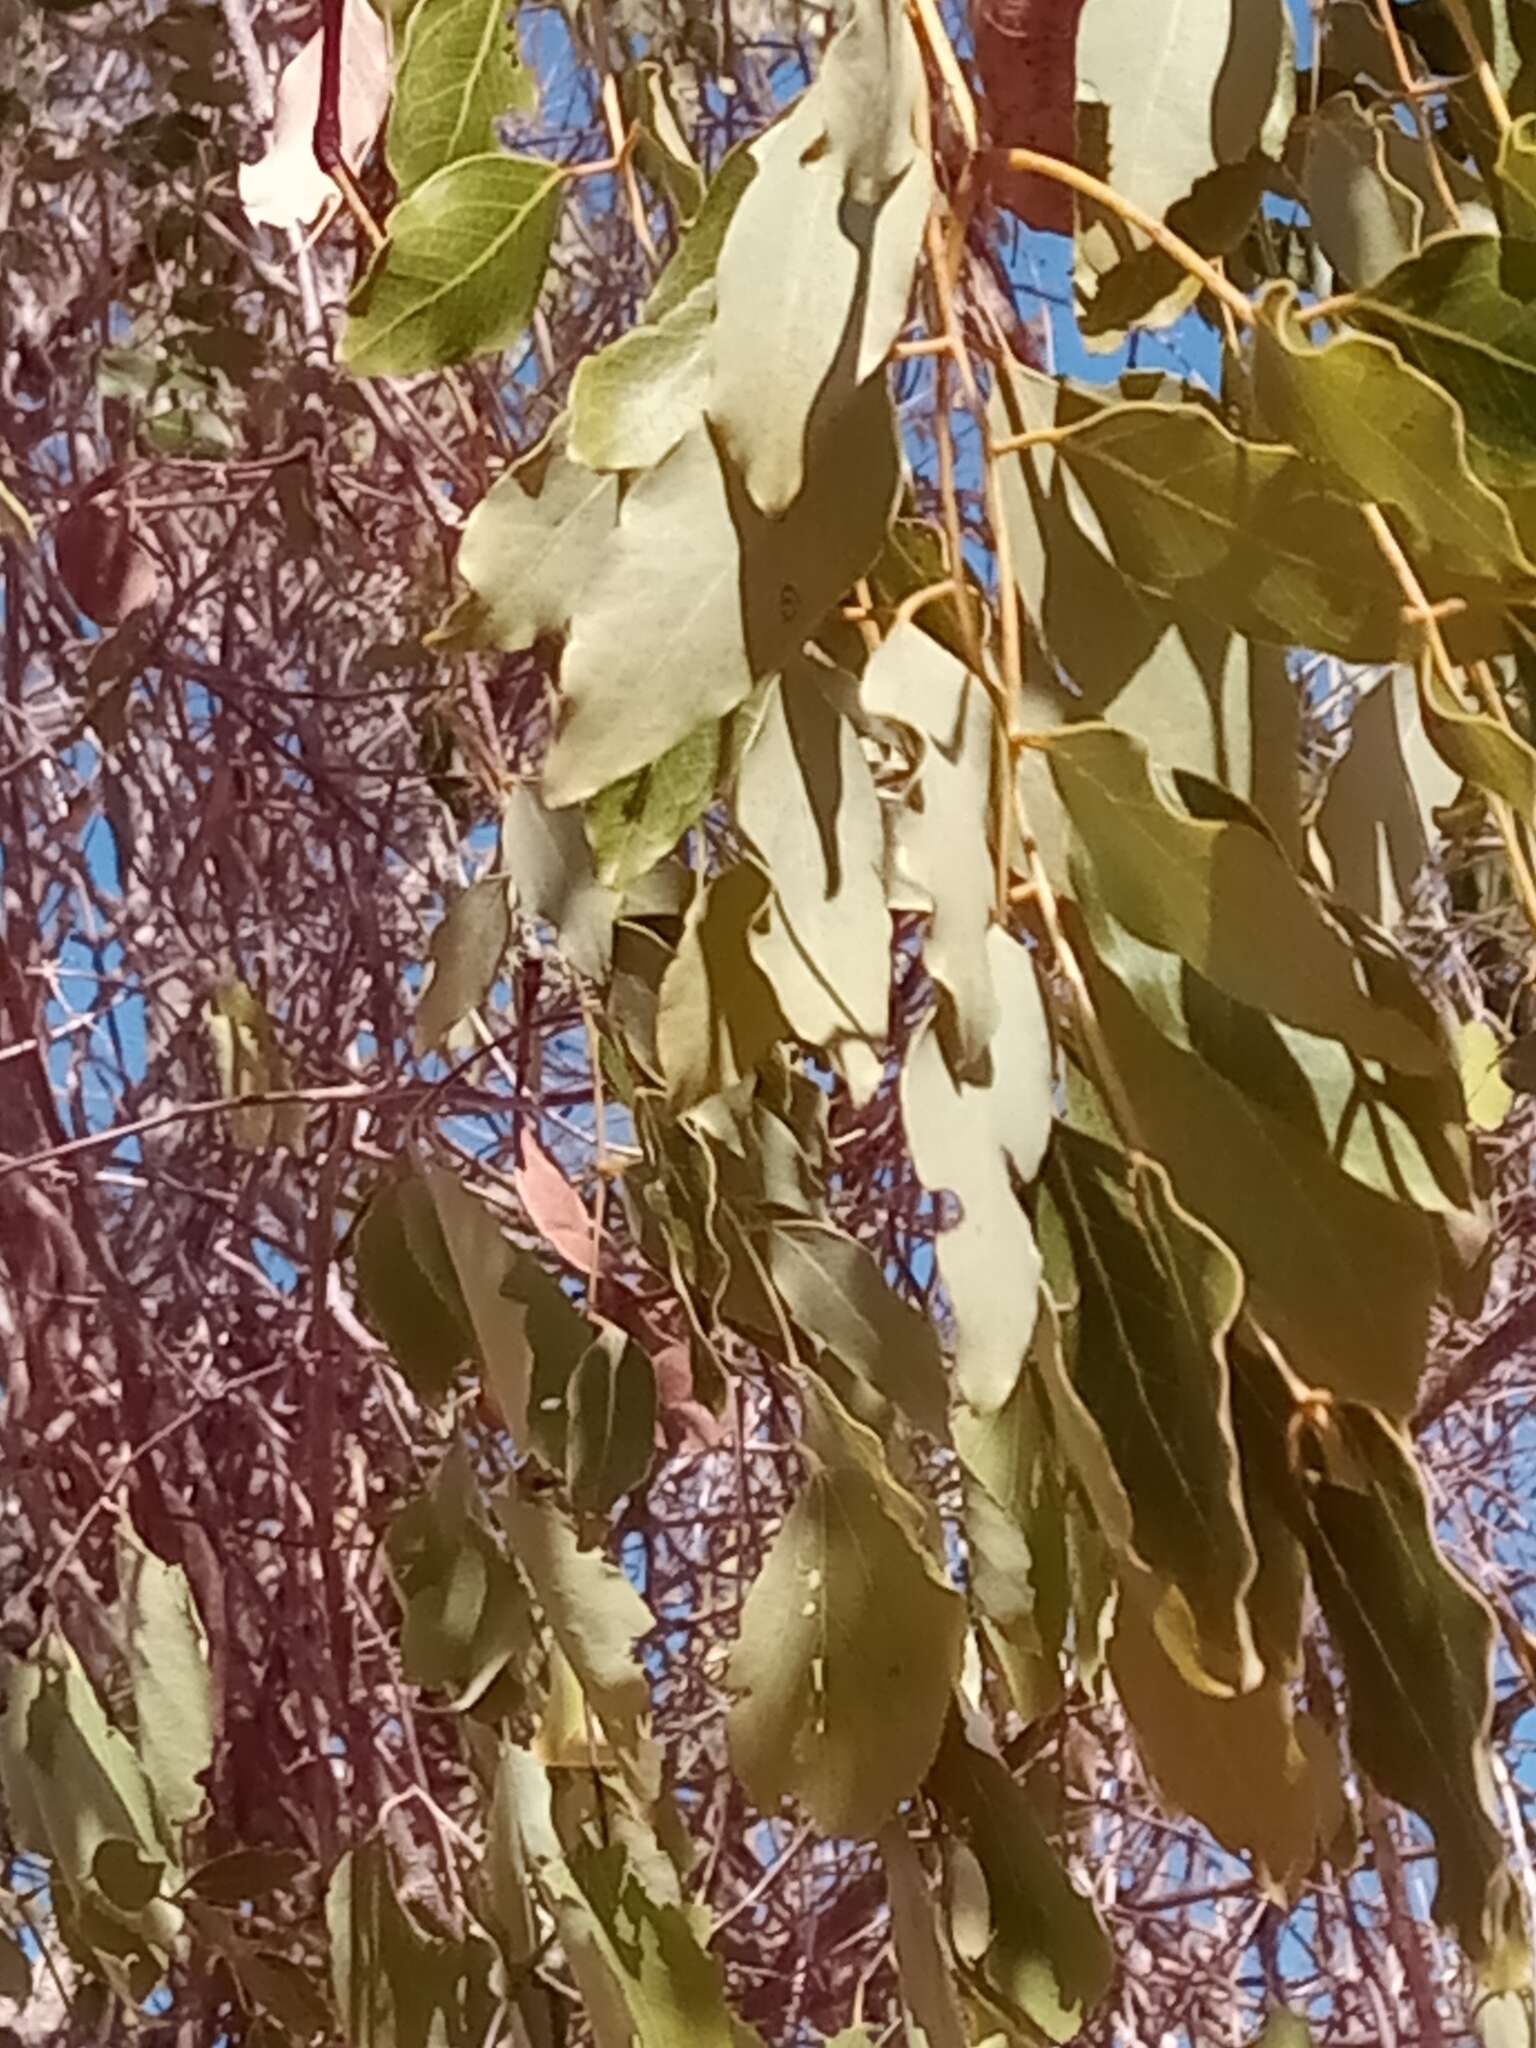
{"type": "Point", "coordinates": [1366, 221]}
{"type": "Point", "coordinates": [1376, 822]}
{"type": "Point", "coordinates": [1487, 752]}
{"type": "Point", "coordinates": [1216, 890]}
{"type": "Point", "coordinates": [1264, 1781]}
{"type": "Point", "coordinates": [633, 401]}
{"type": "Point", "coordinates": [1284, 2029]}
{"type": "Point", "coordinates": [547, 857]}
{"type": "Point", "coordinates": [1048, 1958]}
{"type": "Point", "coordinates": [124, 1878]}
{"type": "Point", "coordinates": [83, 1783]}
{"type": "Point", "coordinates": [1417, 1647]}
{"type": "Point", "coordinates": [717, 1017]}
{"type": "Point", "coordinates": [1464, 313]}
{"type": "Point", "coordinates": [1159, 1297]}
{"type": "Point", "coordinates": [394, 1984]}
{"type": "Point", "coordinates": [467, 950]}
{"type": "Point", "coordinates": [973, 1133]}
{"type": "Point", "coordinates": [481, 1260]}
{"type": "Point", "coordinates": [1246, 533]}
{"type": "Point", "coordinates": [927, 1982]}
{"type": "Point", "coordinates": [850, 1640]}
{"type": "Point", "coordinates": [941, 844]}
{"type": "Point", "coordinates": [245, 1874]}
{"type": "Point", "coordinates": [456, 75]}
{"type": "Point", "coordinates": [673, 1990]}
{"type": "Point", "coordinates": [529, 549]}
{"type": "Point", "coordinates": [697, 596]}
{"type": "Point", "coordinates": [611, 1441]}
{"type": "Point", "coordinates": [168, 1672]}
{"type": "Point", "coordinates": [460, 272]}
{"type": "Point", "coordinates": [833, 1288]}
{"type": "Point", "coordinates": [1341, 1276]}
{"type": "Point", "coordinates": [805, 798]}
{"type": "Point", "coordinates": [698, 252]}
{"type": "Point", "coordinates": [1489, 1095]}
{"type": "Point", "coordinates": [816, 270]}
{"type": "Point", "coordinates": [596, 1616]}
{"type": "Point", "coordinates": [424, 1325]}
{"type": "Point", "coordinates": [1389, 435]}
{"type": "Point", "coordinates": [636, 822]}
{"type": "Point", "coordinates": [465, 1619]}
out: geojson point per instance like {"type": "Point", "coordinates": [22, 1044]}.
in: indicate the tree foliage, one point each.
{"type": "Point", "coordinates": [767, 1132]}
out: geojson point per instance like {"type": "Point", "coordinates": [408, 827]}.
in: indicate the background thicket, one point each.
{"type": "Point", "coordinates": [769, 854]}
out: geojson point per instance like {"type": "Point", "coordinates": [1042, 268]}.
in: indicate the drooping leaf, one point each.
{"type": "Point", "coordinates": [1247, 533]}
{"type": "Point", "coordinates": [1341, 1276]}
{"type": "Point", "coordinates": [287, 187]}
{"type": "Point", "coordinates": [1159, 1295]}
{"type": "Point", "coordinates": [481, 1259]}
{"type": "Point", "coordinates": [850, 1640]}
{"type": "Point", "coordinates": [611, 1440]}
{"type": "Point", "coordinates": [457, 74]}
{"type": "Point", "coordinates": [244, 1874]}
{"type": "Point", "coordinates": [972, 1132]}
{"type": "Point", "coordinates": [636, 822]}
{"type": "Point", "coordinates": [1463, 311]}
{"type": "Point", "coordinates": [816, 269]}
{"type": "Point", "coordinates": [1048, 1957]}
{"type": "Point", "coordinates": [1365, 220]}
{"type": "Point", "coordinates": [806, 800]}
{"type": "Point", "coordinates": [168, 1671]}
{"type": "Point", "coordinates": [941, 841]}
{"type": "Point", "coordinates": [634, 400]}
{"type": "Point", "coordinates": [103, 562]}
{"type": "Point", "coordinates": [698, 251]}
{"type": "Point", "coordinates": [549, 863]}
{"type": "Point", "coordinates": [1217, 891]}
{"type": "Point", "coordinates": [1265, 1781]}
{"type": "Point", "coordinates": [698, 596]}
{"type": "Point", "coordinates": [529, 548]}
{"type": "Point", "coordinates": [423, 1323]}
{"type": "Point", "coordinates": [466, 953]}
{"type": "Point", "coordinates": [927, 1982]}
{"type": "Point", "coordinates": [394, 1983]}
{"type": "Point", "coordinates": [834, 1290]}
{"type": "Point", "coordinates": [1376, 822]}
{"type": "Point", "coordinates": [717, 1016]}
{"type": "Point", "coordinates": [1417, 1646]}
{"type": "Point", "coordinates": [1387, 434]}
{"type": "Point", "coordinates": [15, 1971]}
{"type": "Point", "coordinates": [461, 268]}
{"type": "Point", "coordinates": [465, 1620]}
{"type": "Point", "coordinates": [596, 1616]}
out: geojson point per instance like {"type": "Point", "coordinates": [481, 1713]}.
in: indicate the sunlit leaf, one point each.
{"type": "Point", "coordinates": [457, 74]}
{"type": "Point", "coordinates": [481, 1258]}
{"type": "Point", "coordinates": [717, 1016]}
{"type": "Point", "coordinates": [636, 822]}
{"type": "Point", "coordinates": [287, 187]}
{"type": "Point", "coordinates": [461, 268]}
{"type": "Point", "coordinates": [850, 1641]}
{"type": "Point", "coordinates": [168, 1670]}
{"type": "Point", "coordinates": [633, 401]}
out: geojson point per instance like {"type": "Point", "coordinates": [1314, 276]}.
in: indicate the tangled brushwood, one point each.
{"type": "Point", "coordinates": [768, 844]}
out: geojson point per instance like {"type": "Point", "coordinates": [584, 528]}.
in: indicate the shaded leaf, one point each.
{"type": "Point", "coordinates": [461, 268]}
{"type": "Point", "coordinates": [546, 856]}
{"type": "Point", "coordinates": [698, 252]}
{"type": "Point", "coordinates": [833, 1288]}
{"type": "Point", "coordinates": [481, 1258]}
{"type": "Point", "coordinates": [636, 822]}
{"type": "Point", "coordinates": [15, 1970]}
{"type": "Point", "coordinates": [973, 1133]}
{"type": "Point", "coordinates": [595, 1613]}
{"type": "Point", "coordinates": [1265, 1782]}
{"type": "Point", "coordinates": [249, 1061]}
{"type": "Point", "coordinates": [850, 1640]}
{"type": "Point", "coordinates": [555, 1209]}
{"type": "Point", "coordinates": [717, 1017]}
{"type": "Point", "coordinates": [1417, 1647]}
{"type": "Point", "coordinates": [103, 564]}
{"type": "Point", "coordinates": [423, 1325]}
{"type": "Point", "coordinates": [1159, 1295]}
{"type": "Point", "coordinates": [1216, 890]}
{"type": "Point", "coordinates": [243, 1874]}
{"type": "Point", "coordinates": [1366, 221]}
{"type": "Point", "coordinates": [1341, 1276]}
{"type": "Point", "coordinates": [1048, 1956]}
{"type": "Point", "coordinates": [927, 1982]}
{"type": "Point", "coordinates": [466, 952]}
{"type": "Point", "coordinates": [168, 1673]}
{"type": "Point", "coordinates": [612, 1435]}
{"type": "Point", "coordinates": [126, 1879]}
